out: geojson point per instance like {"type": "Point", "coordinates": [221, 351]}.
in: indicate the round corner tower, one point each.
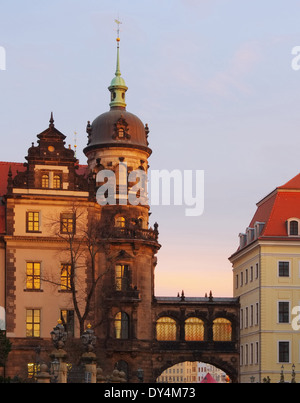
{"type": "Point", "coordinates": [117, 142]}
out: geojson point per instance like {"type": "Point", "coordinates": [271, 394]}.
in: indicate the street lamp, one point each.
{"type": "Point", "coordinates": [54, 369]}
{"type": "Point", "coordinates": [293, 374]}
{"type": "Point", "coordinates": [140, 374]}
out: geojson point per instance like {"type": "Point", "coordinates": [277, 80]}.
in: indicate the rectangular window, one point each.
{"type": "Point", "coordinates": [67, 318]}
{"type": "Point", "coordinates": [283, 312]}
{"type": "Point", "coordinates": [283, 351]}
{"type": "Point", "coordinates": [67, 223]}
{"type": "Point", "coordinates": [33, 323]}
{"type": "Point", "coordinates": [256, 271]}
{"type": "Point", "coordinates": [33, 275]}
{"type": "Point", "coordinates": [32, 221]}
{"type": "Point", "coordinates": [257, 313]}
{"type": "Point", "coordinates": [284, 269]}
{"type": "Point", "coordinates": [65, 277]}
{"type": "Point", "coordinates": [121, 277]}
{"type": "Point", "coordinates": [251, 273]}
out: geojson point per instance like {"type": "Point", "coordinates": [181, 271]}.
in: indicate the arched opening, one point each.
{"type": "Point", "coordinates": [194, 329]}
{"type": "Point", "coordinates": [222, 330]}
{"type": "Point", "coordinates": [193, 372]}
{"type": "Point", "coordinates": [166, 329]}
{"type": "Point", "coordinates": [120, 222]}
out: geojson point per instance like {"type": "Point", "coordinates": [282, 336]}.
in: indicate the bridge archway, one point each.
{"type": "Point", "coordinates": [192, 372]}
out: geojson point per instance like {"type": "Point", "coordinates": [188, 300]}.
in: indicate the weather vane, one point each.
{"type": "Point", "coordinates": [118, 30]}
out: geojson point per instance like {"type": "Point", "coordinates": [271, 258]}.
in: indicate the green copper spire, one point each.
{"type": "Point", "coordinates": [117, 86]}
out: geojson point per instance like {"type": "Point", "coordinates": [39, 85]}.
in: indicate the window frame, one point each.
{"type": "Point", "coordinates": [33, 326]}
{"type": "Point", "coordinates": [282, 270]}
{"type": "Point", "coordinates": [282, 314]}
{"type": "Point", "coordinates": [65, 280]}
{"type": "Point", "coordinates": [280, 353]}
{"type": "Point", "coordinates": [71, 220]}
{"type": "Point", "coordinates": [33, 221]}
{"type": "Point", "coordinates": [33, 278]}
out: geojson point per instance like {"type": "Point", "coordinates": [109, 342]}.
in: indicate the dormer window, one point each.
{"type": "Point", "coordinates": [293, 227]}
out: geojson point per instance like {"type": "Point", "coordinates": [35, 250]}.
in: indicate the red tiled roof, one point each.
{"type": "Point", "coordinates": [4, 168]}
{"type": "Point", "coordinates": [275, 209]}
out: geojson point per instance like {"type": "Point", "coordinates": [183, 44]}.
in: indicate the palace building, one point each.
{"type": "Point", "coordinates": [64, 255]}
{"type": "Point", "coordinates": [266, 270]}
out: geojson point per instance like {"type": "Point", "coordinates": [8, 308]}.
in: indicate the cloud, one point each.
{"type": "Point", "coordinates": [234, 78]}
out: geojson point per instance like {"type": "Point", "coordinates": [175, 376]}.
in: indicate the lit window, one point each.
{"type": "Point", "coordinates": [45, 181]}
{"type": "Point", "coordinates": [32, 221]}
{"type": "Point", "coordinates": [33, 323]}
{"type": "Point", "coordinates": [222, 330]}
{"type": "Point", "coordinates": [121, 325]}
{"type": "Point", "coordinates": [121, 277]}
{"type": "Point", "coordinates": [33, 276]}
{"type": "Point", "coordinates": [32, 370]}
{"type": "Point", "coordinates": [120, 222]}
{"type": "Point", "coordinates": [56, 182]}
{"type": "Point", "coordinates": [194, 329]}
{"type": "Point", "coordinates": [166, 329]}
{"type": "Point", "coordinates": [65, 277]}
{"type": "Point", "coordinates": [67, 318]}
{"type": "Point", "coordinates": [67, 223]}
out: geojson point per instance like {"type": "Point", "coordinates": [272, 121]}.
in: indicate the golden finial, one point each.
{"type": "Point", "coordinates": [75, 141]}
{"type": "Point", "coordinates": [89, 326]}
{"type": "Point", "coordinates": [118, 29]}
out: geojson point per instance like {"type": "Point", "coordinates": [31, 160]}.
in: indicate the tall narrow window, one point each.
{"type": "Point", "coordinates": [283, 312]}
{"type": "Point", "coordinates": [67, 318]}
{"type": "Point", "coordinates": [33, 275]}
{"type": "Point", "coordinates": [121, 325]}
{"type": "Point", "coordinates": [45, 181]}
{"type": "Point", "coordinates": [56, 182]}
{"type": "Point", "coordinates": [32, 221]}
{"type": "Point", "coordinates": [33, 323]}
{"type": "Point", "coordinates": [65, 277]}
{"type": "Point", "coordinates": [121, 277]}
{"type": "Point", "coordinates": [284, 351]}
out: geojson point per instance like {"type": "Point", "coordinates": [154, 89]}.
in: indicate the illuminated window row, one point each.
{"type": "Point", "coordinates": [166, 329]}
{"type": "Point", "coordinates": [34, 276]}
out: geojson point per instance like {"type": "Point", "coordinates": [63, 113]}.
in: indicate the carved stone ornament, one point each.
{"type": "Point", "coordinates": [121, 130]}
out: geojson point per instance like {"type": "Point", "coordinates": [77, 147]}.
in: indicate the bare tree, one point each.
{"type": "Point", "coordinates": [81, 238]}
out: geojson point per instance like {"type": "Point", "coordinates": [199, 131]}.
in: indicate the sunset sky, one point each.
{"type": "Point", "coordinates": [212, 78]}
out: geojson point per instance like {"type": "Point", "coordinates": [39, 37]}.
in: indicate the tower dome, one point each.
{"type": "Point", "coordinates": [117, 127]}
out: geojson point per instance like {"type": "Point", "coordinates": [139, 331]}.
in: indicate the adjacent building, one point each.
{"type": "Point", "coordinates": [266, 278]}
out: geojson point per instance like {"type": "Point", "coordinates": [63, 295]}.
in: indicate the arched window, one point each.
{"type": "Point", "coordinates": [121, 325]}
{"type": "Point", "coordinates": [294, 228]}
{"type": "Point", "coordinates": [45, 181]}
{"type": "Point", "coordinates": [120, 222]}
{"type": "Point", "coordinates": [194, 329]}
{"type": "Point", "coordinates": [123, 366]}
{"type": "Point", "coordinates": [222, 330]}
{"type": "Point", "coordinates": [166, 329]}
{"type": "Point", "coordinates": [56, 182]}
